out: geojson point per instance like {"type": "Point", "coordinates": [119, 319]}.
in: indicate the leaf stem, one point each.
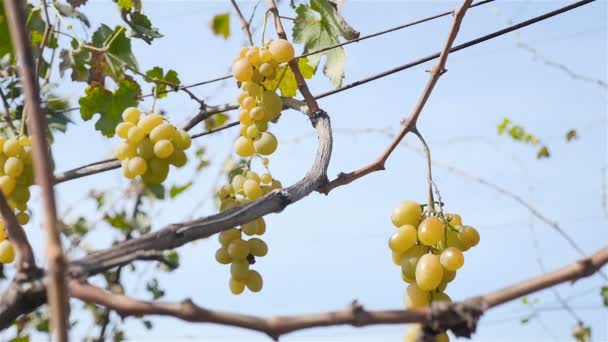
{"type": "Point", "coordinates": [429, 179]}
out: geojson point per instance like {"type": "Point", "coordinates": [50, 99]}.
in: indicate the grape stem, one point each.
{"type": "Point", "coordinates": [429, 173]}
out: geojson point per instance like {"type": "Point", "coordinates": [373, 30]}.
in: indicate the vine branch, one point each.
{"type": "Point", "coordinates": [244, 22]}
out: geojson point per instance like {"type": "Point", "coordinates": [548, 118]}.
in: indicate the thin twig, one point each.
{"type": "Point", "coordinates": [26, 262]}
{"type": "Point", "coordinates": [408, 124]}
{"type": "Point", "coordinates": [444, 316]}
{"type": "Point", "coordinates": [56, 264]}
{"type": "Point", "coordinates": [7, 113]}
{"type": "Point", "coordinates": [244, 22]}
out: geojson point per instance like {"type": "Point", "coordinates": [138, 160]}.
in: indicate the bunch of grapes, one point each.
{"type": "Point", "coordinates": [235, 249]}
{"type": "Point", "coordinates": [16, 176]}
{"type": "Point", "coordinates": [429, 248]}
{"type": "Point", "coordinates": [151, 144]}
{"type": "Point", "coordinates": [257, 71]}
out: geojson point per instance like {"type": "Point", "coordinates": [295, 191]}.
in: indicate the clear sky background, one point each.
{"type": "Point", "coordinates": [327, 251]}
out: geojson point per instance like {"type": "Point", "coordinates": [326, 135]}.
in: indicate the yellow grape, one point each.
{"type": "Point", "coordinates": [241, 96]}
{"type": "Point", "coordinates": [409, 260]}
{"type": "Point", "coordinates": [403, 239]}
{"type": "Point", "coordinates": [240, 270]}
{"type": "Point", "coordinates": [442, 337]}
{"type": "Point", "coordinates": [158, 169]}
{"type": "Point", "coordinates": [237, 183]}
{"type": "Point", "coordinates": [265, 55]}
{"type": "Point", "coordinates": [253, 55]}
{"type": "Point", "coordinates": [24, 140]}
{"type": "Point", "coordinates": [415, 297]}
{"type": "Point", "coordinates": [21, 194]}
{"type": "Point", "coordinates": [222, 256]}
{"type": "Point", "coordinates": [248, 102]}
{"type": "Point", "coordinates": [282, 51]}
{"type": "Point", "coordinates": [266, 144]}
{"type": "Point", "coordinates": [429, 272]}
{"type": "Point", "coordinates": [266, 178]}
{"type": "Point", "coordinates": [147, 123]}
{"type": "Point", "coordinates": [12, 148]}
{"type": "Point", "coordinates": [228, 204]}
{"type": "Point", "coordinates": [407, 212]}
{"type": "Point", "coordinates": [244, 117]}
{"type": "Point", "coordinates": [442, 286]}
{"type": "Point", "coordinates": [236, 287]}
{"type": "Point", "coordinates": [131, 114]}
{"type": "Point", "coordinates": [257, 247]}
{"type": "Point", "coordinates": [23, 218]}
{"type": "Point", "coordinates": [125, 150]}
{"type": "Point", "coordinates": [261, 225]}
{"type": "Point", "coordinates": [254, 281]}
{"type": "Point", "coordinates": [454, 219]}
{"type": "Point", "coordinates": [238, 249]}
{"type": "Point", "coordinates": [272, 104]}
{"type": "Point", "coordinates": [145, 149]}
{"type": "Point", "coordinates": [243, 130]}
{"type": "Point", "coordinates": [441, 297]}
{"type": "Point", "coordinates": [3, 235]}
{"type": "Point", "coordinates": [227, 236]}
{"type": "Point", "coordinates": [396, 258]}
{"type": "Point", "coordinates": [469, 236]}
{"type": "Point", "coordinates": [431, 231]}
{"type": "Point", "coordinates": [137, 166]}
{"type": "Point", "coordinates": [252, 189]}
{"type": "Point", "coordinates": [452, 240]}
{"type": "Point", "coordinates": [163, 149]}
{"type": "Point", "coordinates": [244, 147]}
{"type": "Point", "coordinates": [178, 158]}
{"type": "Point", "coordinates": [126, 171]}
{"type": "Point", "coordinates": [122, 129]}
{"type": "Point", "coordinates": [243, 51]}
{"type": "Point", "coordinates": [252, 132]}
{"type": "Point", "coordinates": [7, 253]}
{"type": "Point", "coordinates": [164, 131]}
{"type": "Point", "coordinates": [225, 191]}
{"type": "Point", "coordinates": [26, 155]}
{"type": "Point", "coordinates": [412, 332]}
{"type": "Point", "coordinates": [242, 70]}
{"type": "Point", "coordinates": [13, 167]}
{"type": "Point", "coordinates": [254, 90]}
{"type": "Point", "coordinates": [266, 69]}
{"type": "Point", "coordinates": [253, 175]}
{"type": "Point", "coordinates": [451, 258]}
{"type": "Point", "coordinates": [250, 228]}
{"type": "Point", "coordinates": [257, 113]}
{"type": "Point", "coordinates": [7, 184]}
{"type": "Point", "coordinates": [182, 140]}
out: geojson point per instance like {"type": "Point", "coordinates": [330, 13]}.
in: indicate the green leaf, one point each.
{"type": "Point", "coordinates": [288, 85]}
{"type": "Point", "coordinates": [201, 155]}
{"type": "Point", "coordinates": [108, 105]}
{"type": "Point", "coordinates": [571, 135]}
{"type": "Point", "coordinates": [220, 25]}
{"type": "Point", "coordinates": [75, 60]}
{"type": "Point", "coordinates": [503, 126]}
{"type": "Point", "coordinates": [25, 338]}
{"type": "Point", "coordinates": [543, 152]}
{"type": "Point", "coordinates": [172, 261]}
{"type": "Point", "coordinates": [142, 27]}
{"type": "Point", "coordinates": [125, 4]}
{"type": "Point", "coordinates": [155, 190]}
{"type": "Point", "coordinates": [581, 332]}
{"type": "Point", "coordinates": [154, 288]}
{"type": "Point", "coordinates": [177, 190]}
{"type": "Point", "coordinates": [318, 26]}
{"type": "Point", "coordinates": [216, 121]}
{"type": "Point", "coordinates": [6, 46]}
{"type": "Point", "coordinates": [156, 76]}
{"type": "Point", "coordinates": [119, 221]}
{"type": "Point", "coordinates": [70, 12]}
{"type": "Point", "coordinates": [147, 324]}
{"type": "Point", "coordinates": [604, 294]}
{"type": "Point", "coordinates": [117, 47]}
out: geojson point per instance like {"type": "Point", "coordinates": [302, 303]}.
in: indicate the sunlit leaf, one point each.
{"type": "Point", "coordinates": [176, 190]}
{"type": "Point", "coordinates": [571, 135]}
{"type": "Point", "coordinates": [220, 25]}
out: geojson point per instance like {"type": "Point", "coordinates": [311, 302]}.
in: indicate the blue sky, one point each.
{"type": "Point", "coordinates": [327, 251]}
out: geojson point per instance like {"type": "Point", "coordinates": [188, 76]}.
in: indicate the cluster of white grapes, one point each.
{"type": "Point", "coordinates": [16, 176]}
{"type": "Point", "coordinates": [429, 248]}
{"type": "Point", "coordinates": [254, 68]}
{"type": "Point", "coordinates": [150, 145]}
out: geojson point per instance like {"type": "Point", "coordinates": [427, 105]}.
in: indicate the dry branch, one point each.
{"type": "Point", "coordinates": [244, 22]}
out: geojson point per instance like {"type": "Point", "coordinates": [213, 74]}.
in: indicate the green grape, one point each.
{"type": "Point", "coordinates": [23, 218]}
{"type": "Point", "coordinates": [262, 126]}
{"type": "Point", "coordinates": [250, 228]}
{"type": "Point", "coordinates": [137, 166]}
{"type": "Point", "coordinates": [145, 149]}
{"type": "Point", "coordinates": [12, 148]}
{"type": "Point", "coordinates": [157, 172]}
{"type": "Point", "coordinates": [409, 260]}
{"type": "Point", "coordinates": [254, 90]}
{"type": "Point", "coordinates": [147, 123]}
{"type": "Point", "coordinates": [257, 113]}
{"type": "Point", "coordinates": [266, 69]}
{"type": "Point", "coordinates": [415, 297]}
{"type": "Point", "coordinates": [265, 55]}
{"type": "Point", "coordinates": [26, 155]}
{"type": "Point", "coordinates": [181, 140]}
{"type": "Point", "coordinates": [266, 144]}
{"type": "Point", "coordinates": [163, 149]}
{"type": "Point", "coordinates": [451, 258]}
{"type": "Point", "coordinates": [244, 117]}
{"type": "Point", "coordinates": [238, 249]}
{"type": "Point", "coordinates": [403, 239]}
{"type": "Point", "coordinates": [431, 231]}
{"type": "Point", "coordinates": [227, 236]}
{"type": "Point", "coordinates": [442, 286]}
{"type": "Point", "coordinates": [454, 219]}
{"type": "Point", "coordinates": [282, 51]}
{"type": "Point", "coordinates": [178, 158]}
{"type": "Point", "coordinates": [236, 287]}
{"type": "Point", "coordinates": [407, 212]}
{"type": "Point", "coordinates": [244, 147]}
{"type": "Point", "coordinates": [13, 167]}
{"type": "Point", "coordinates": [257, 247]}
{"type": "Point", "coordinates": [252, 132]}
{"type": "Point", "coordinates": [164, 131]}
{"type": "Point", "coordinates": [469, 236]}
{"type": "Point", "coordinates": [131, 115]}
{"type": "Point", "coordinates": [441, 297]}
{"type": "Point", "coordinates": [126, 171]}
{"type": "Point", "coordinates": [237, 183]}
{"type": "Point", "coordinates": [252, 189]}
{"type": "Point", "coordinates": [272, 104]}
{"type": "Point", "coordinates": [125, 150]}
{"type": "Point", "coordinates": [7, 184]}
{"type": "Point", "coordinates": [448, 276]}
{"type": "Point", "coordinates": [412, 332]}
{"type": "Point", "coordinates": [453, 240]}
{"type": "Point", "coordinates": [222, 256]}
{"type": "Point", "coordinates": [276, 184]}
{"type": "Point", "coordinates": [266, 178]}
{"type": "Point", "coordinates": [7, 253]}
{"type": "Point", "coordinates": [225, 191]}
{"type": "Point", "coordinates": [242, 70]}
{"type": "Point", "coordinates": [397, 257]}
{"type": "Point", "coordinates": [21, 194]}
{"type": "Point", "coordinates": [253, 176]}
{"type": "Point", "coordinates": [429, 272]}
{"type": "Point", "coordinates": [240, 270]}
{"type": "Point", "coordinates": [122, 129]}
{"type": "Point", "coordinates": [254, 281]}
{"type": "Point", "coordinates": [261, 224]}
{"type": "Point", "coordinates": [135, 134]}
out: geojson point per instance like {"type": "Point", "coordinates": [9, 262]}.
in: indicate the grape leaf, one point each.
{"type": "Point", "coordinates": [70, 12]}
{"type": "Point", "coordinates": [288, 85]}
{"type": "Point", "coordinates": [108, 105]}
{"type": "Point", "coordinates": [156, 74]}
{"type": "Point", "coordinates": [142, 27]}
{"type": "Point", "coordinates": [216, 121]}
{"type": "Point", "coordinates": [220, 25]}
{"type": "Point", "coordinates": [178, 190]}
{"type": "Point", "coordinates": [318, 26]}
{"type": "Point", "coordinates": [571, 135]}
{"type": "Point", "coordinates": [543, 152]}
{"type": "Point", "coordinates": [117, 47]}
{"type": "Point", "coordinates": [6, 46]}
{"type": "Point", "coordinates": [125, 4]}
{"type": "Point", "coordinates": [75, 60]}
